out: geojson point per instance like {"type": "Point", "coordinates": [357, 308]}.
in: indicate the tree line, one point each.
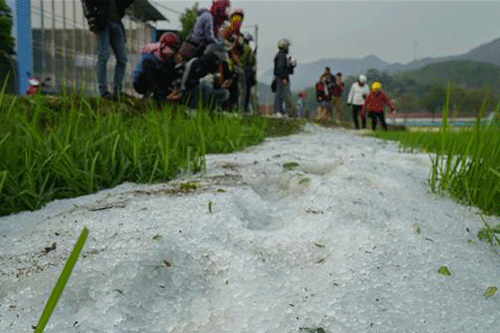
{"type": "Point", "coordinates": [469, 85]}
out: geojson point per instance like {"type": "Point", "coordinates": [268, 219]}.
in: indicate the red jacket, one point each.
{"type": "Point", "coordinates": [376, 101]}
{"type": "Point", "coordinates": [320, 92]}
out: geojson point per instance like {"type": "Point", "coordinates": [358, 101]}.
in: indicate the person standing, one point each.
{"type": "Point", "coordinates": [337, 89]}
{"type": "Point", "coordinates": [357, 94]}
{"type": "Point", "coordinates": [105, 20]}
{"type": "Point", "coordinates": [324, 98]}
{"type": "Point", "coordinates": [301, 105]}
{"type": "Point", "coordinates": [330, 78]}
{"type": "Point", "coordinates": [375, 103]}
{"type": "Point", "coordinates": [282, 68]}
{"type": "Point", "coordinates": [248, 63]}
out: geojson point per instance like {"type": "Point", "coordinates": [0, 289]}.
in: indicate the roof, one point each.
{"type": "Point", "coordinates": [144, 11]}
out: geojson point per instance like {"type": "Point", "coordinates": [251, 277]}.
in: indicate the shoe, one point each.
{"type": "Point", "coordinates": [107, 95]}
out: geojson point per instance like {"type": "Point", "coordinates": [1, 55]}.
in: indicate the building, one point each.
{"type": "Point", "coordinates": [53, 41]}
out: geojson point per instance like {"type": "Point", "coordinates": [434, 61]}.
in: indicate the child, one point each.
{"type": "Point", "coordinates": [375, 103]}
{"type": "Point", "coordinates": [301, 105]}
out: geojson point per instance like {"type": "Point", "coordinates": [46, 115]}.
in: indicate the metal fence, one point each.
{"type": "Point", "coordinates": [64, 50]}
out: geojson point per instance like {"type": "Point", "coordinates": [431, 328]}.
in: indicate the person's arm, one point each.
{"type": "Point", "coordinates": [366, 104]}
{"type": "Point", "coordinates": [351, 93]}
{"type": "Point", "coordinates": [88, 8]}
{"type": "Point", "coordinates": [366, 91]}
{"type": "Point", "coordinates": [387, 102]}
{"type": "Point", "coordinates": [89, 11]}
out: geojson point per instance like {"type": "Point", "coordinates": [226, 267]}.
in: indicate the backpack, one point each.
{"type": "Point", "coordinates": [274, 85]}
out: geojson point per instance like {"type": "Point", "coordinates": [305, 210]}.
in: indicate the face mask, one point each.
{"type": "Point", "coordinates": [236, 22]}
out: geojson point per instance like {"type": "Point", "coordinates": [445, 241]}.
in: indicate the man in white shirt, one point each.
{"type": "Point", "coordinates": [359, 90]}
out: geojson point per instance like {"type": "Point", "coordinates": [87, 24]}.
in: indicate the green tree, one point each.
{"type": "Point", "coordinates": [434, 100]}
{"type": "Point", "coordinates": [188, 19]}
{"type": "Point", "coordinates": [7, 47]}
{"type": "Point", "coordinates": [6, 39]}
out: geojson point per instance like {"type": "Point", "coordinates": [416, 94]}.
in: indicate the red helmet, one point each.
{"type": "Point", "coordinates": [171, 40]}
{"type": "Point", "coordinates": [237, 11]}
{"type": "Point", "coordinates": [219, 9]}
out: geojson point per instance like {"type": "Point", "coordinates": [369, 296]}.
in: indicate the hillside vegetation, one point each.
{"type": "Point", "coordinates": [470, 84]}
{"type": "Point", "coordinates": [464, 73]}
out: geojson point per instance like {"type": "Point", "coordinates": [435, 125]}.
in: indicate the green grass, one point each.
{"type": "Point", "coordinates": [61, 282]}
{"type": "Point", "coordinates": [67, 146]}
{"type": "Point", "coordinates": [465, 163]}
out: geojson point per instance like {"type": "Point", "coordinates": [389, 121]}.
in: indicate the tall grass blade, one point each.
{"type": "Point", "coordinates": [61, 282]}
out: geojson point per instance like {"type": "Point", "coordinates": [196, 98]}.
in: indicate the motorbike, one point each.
{"type": "Point", "coordinates": [36, 85]}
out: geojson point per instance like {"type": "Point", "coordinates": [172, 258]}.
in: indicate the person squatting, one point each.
{"type": "Point", "coordinates": [214, 67]}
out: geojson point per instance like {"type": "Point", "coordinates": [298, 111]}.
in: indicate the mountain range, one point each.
{"type": "Point", "coordinates": [306, 75]}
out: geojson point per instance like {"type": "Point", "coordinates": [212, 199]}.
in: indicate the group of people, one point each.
{"type": "Point", "coordinates": [215, 66]}
{"type": "Point", "coordinates": [363, 100]}
{"type": "Point", "coordinates": [329, 91]}
{"type": "Point", "coordinates": [329, 95]}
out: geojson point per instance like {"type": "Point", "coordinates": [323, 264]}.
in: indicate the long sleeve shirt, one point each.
{"type": "Point", "coordinates": [376, 101]}
{"type": "Point", "coordinates": [357, 93]}
{"type": "Point", "coordinates": [281, 66]}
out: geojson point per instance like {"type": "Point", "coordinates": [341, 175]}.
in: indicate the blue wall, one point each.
{"type": "Point", "coordinates": [24, 41]}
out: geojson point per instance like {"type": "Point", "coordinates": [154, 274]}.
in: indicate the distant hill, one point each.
{"type": "Point", "coordinates": [463, 72]}
{"type": "Point", "coordinates": [307, 74]}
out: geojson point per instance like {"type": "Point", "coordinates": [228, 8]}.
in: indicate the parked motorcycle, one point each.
{"type": "Point", "coordinates": [36, 85]}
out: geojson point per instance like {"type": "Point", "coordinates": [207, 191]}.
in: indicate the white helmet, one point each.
{"type": "Point", "coordinates": [283, 44]}
{"type": "Point", "coordinates": [362, 78]}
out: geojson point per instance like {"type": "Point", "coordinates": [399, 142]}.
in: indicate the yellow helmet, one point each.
{"type": "Point", "coordinates": [376, 86]}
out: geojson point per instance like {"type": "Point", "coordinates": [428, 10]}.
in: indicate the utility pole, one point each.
{"type": "Point", "coordinates": [256, 39]}
{"type": "Point", "coordinates": [415, 50]}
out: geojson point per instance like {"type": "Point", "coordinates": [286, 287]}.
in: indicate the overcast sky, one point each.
{"type": "Point", "coordinates": [355, 29]}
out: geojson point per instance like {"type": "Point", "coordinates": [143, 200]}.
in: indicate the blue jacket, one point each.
{"type": "Point", "coordinates": [203, 31]}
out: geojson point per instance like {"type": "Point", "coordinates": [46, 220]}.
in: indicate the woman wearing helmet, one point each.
{"type": "Point", "coordinates": [205, 30]}
{"type": "Point", "coordinates": [356, 98]}
{"type": "Point", "coordinates": [375, 103]}
{"type": "Point", "coordinates": [155, 71]}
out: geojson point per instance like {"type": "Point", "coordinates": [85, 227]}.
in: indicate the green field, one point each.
{"type": "Point", "coordinates": [465, 161]}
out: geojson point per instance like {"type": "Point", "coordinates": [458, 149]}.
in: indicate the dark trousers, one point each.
{"type": "Point", "coordinates": [375, 116]}
{"type": "Point", "coordinates": [207, 95]}
{"type": "Point", "coordinates": [249, 82]}
{"type": "Point", "coordinates": [356, 110]}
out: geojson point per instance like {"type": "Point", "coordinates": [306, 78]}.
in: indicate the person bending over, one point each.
{"type": "Point", "coordinates": [375, 103]}
{"type": "Point", "coordinates": [155, 72]}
